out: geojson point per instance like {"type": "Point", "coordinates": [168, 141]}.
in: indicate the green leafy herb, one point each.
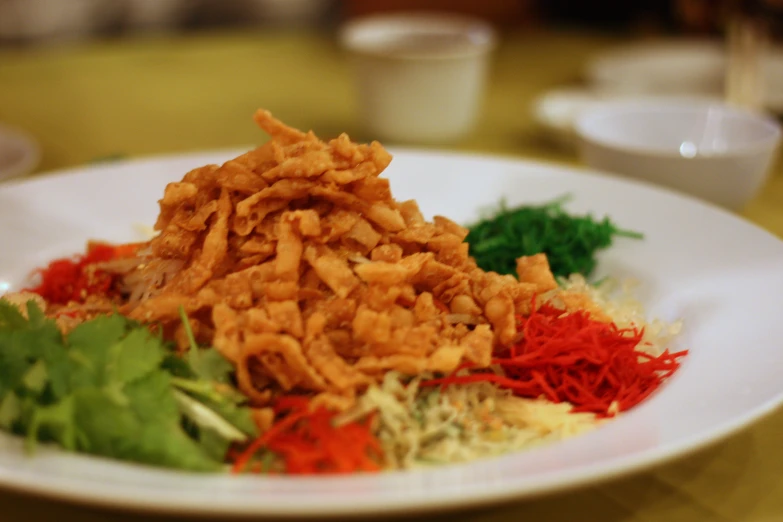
{"type": "Point", "coordinates": [214, 410]}
{"type": "Point", "coordinates": [206, 363]}
{"type": "Point", "coordinates": [570, 242]}
{"type": "Point", "coordinates": [10, 316]}
{"type": "Point", "coordinates": [111, 388]}
{"type": "Point", "coordinates": [207, 418]}
{"type": "Point", "coordinates": [267, 461]}
{"type": "Point", "coordinates": [10, 410]}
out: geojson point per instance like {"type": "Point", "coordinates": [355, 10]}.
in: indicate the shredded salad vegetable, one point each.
{"type": "Point", "coordinates": [569, 241]}
{"type": "Point", "coordinates": [74, 279]}
{"type": "Point", "coordinates": [591, 364]}
{"type": "Point", "coordinates": [309, 441]}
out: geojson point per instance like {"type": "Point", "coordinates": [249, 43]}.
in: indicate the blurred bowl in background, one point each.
{"type": "Point", "coordinates": [19, 153]}
{"type": "Point", "coordinates": [155, 15]}
{"type": "Point", "coordinates": [556, 111]}
{"type": "Point", "coordinates": [772, 72]}
{"type": "Point", "coordinates": [290, 12]}
{"type": "Point", "coordinates": [54, 19]}
{"type": "Point", "coordinates": [707, 149]}
{"type": "Point", "coordinates": [420, 76]}
{"type": "Point", "coordinates": [677, 67]}
{"type": "Point", "coordinates": [63, 20]}
{"type": "Point", "coordinates": [660, 68]}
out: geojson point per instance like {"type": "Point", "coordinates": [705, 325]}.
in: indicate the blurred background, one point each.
{"type": "Point", "coordinates": [91, 80]}
{"type": "Point", "coordinates": [45, 21]}
{"type": "Point", "coordinates": [95, 81]}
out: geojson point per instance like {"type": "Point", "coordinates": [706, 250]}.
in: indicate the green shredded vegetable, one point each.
{"type": "Point", "coordinates": [570, 242]}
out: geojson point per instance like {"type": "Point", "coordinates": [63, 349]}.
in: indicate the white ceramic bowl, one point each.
{"type": "Point", "coordinates": [704, 148]}
{"type": "Point", "coordinates": [420, 77]}
{"type": "Point", "coordinates": [693, 67]}
{"type": "Point", "coordinates": [677, 67]}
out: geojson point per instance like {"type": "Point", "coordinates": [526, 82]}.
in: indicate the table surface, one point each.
{"type": "Point", "coordinates": [151, 95]}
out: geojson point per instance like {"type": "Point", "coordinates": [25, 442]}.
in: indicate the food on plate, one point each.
{"type": "Point", "coordinates": [570, 242]}
{"type": "Point", "coordinates": [296, 318]}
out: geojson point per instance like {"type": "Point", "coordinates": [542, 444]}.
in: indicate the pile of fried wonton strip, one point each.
{"type": "Point", "coordinates": [296, 263]}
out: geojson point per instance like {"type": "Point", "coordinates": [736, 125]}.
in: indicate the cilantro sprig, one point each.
{"type": "Point", "coordinates": [112, 388]}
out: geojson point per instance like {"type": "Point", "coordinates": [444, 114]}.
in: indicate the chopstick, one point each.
{"type": "Point", "coordinates": [744, 75]}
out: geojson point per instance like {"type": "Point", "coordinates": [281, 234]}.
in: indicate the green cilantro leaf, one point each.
{"type": "Point", "coordinates": [238, 415]}
{"type": "Point", "coordinates": [11, 317]}
{"type": "Point", "coordinates": [88, 349]}
{"type": "Point", "coordinates": [36, 378]}
{"type": "Point", "coordinates": [55, 422]}
{"type": "Point", "coordinates": [36, 318]}
{"type": "Point", "coordinates": [52, 353]}
{"type": "Point", "coordinates": [210, 365]}
{"type": "Point", "coordinates": [14, 359]}
{"type": "Point", "coordinates": [111, 388]}
{"type": "Point", "coordinates": [213, 444]}
{"type": "Point", "coordinates": [152, 397]}
{"type": "Point", "coordinates": [207, 363]}
{"type": "Point", "coordinates": [10, 411]}
{"type": "Point", "coordinates": [169, 446]}
{"type": "Point", "coordinates": [177, 366]}
{"type": "Point", "coordinates": [134, 356]}
{"type": "Point", "coordinates": [138, 433]}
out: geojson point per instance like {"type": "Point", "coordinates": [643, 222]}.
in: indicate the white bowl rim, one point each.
{"type": "Point", "coordinates": [350, 33]}
{"type": "Point", "coordinates": [624, 107]}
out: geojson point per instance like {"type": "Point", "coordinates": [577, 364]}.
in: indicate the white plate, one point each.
{"type": "Point", "coordinates": [721, 274]}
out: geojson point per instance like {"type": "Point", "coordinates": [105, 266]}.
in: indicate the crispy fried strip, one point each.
{"type": "Point", "coordinates": [297, 264]}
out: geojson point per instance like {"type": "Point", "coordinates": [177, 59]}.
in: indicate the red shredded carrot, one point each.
{"type": "Point", "coordinates": [74, 279]}
{"type": "Point", "coordinates": [571, 357]}
{"type": "Point", "coordinates": [263, 440]}
{"type": "Point", "coordinates": [308, 442]}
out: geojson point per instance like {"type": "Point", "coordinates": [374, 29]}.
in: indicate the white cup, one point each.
{"type": "Point", "coordinates": [420, 77]}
